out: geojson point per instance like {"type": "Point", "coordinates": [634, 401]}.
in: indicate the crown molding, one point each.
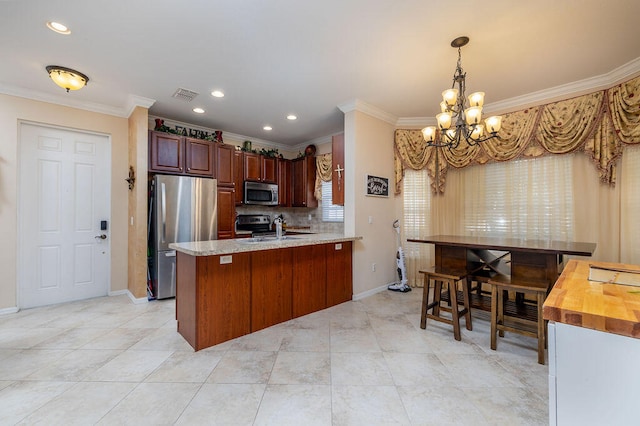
{"type": "Point", "coordinates": [374, 111]}
{"type": "Point", "coordinates": [566, 91]}
{"type": "Point", "coordinates": [138, 101]}
{"type": "Point", "coordinates": [419, 122]}
{"type": "Point", "coordinates": [124, 112]}
{"type": "Point", "coordinates": [569, 90]}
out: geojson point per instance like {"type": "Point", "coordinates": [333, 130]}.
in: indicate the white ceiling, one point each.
{"type": "Point", "coordinates": [275, 57]}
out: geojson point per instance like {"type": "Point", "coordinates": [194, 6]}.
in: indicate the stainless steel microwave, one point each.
{"type": "Point", "coordinates": [264, 194]}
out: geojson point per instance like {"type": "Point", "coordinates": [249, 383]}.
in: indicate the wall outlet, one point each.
{"type": "Point", "coordinates": [373, 267]}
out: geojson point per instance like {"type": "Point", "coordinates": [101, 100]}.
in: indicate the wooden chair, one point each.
{"type": "Point", "coordinates": [533, 326]}
{"type": "Point", "coordinates": [451, 280]}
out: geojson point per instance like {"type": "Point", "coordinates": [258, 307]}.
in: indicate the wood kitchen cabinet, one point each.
{"type": "Point", "coordinates": [271, 291]}
{"type": "Point", "coordinates": [273, 286]}
{"type": "Point", "coordinates": [226, 212]}
{"type": "Point", "coordinates": [199, 157]}
{"type": "Point", "coordinates": [238, 171]}
{"type": "Point", "coordinates": [303, 182]}
{"type": "Point", "coordinates": [309, 280]}
{"type": "Point", "coordinates": [174, 154]}
{"type": "Point", "coordinates": [258, 168]}
{"type": "Point", "coordinates": [252, 170]}
{"type": "Point", "coordinates": [284, 182]}
{"type": "Point", "coordinates": [166, 152]}
{"type": "Point", "coordinates": [225, 161]}
{"type": "Point", "coordinates": [339, 273]}
{"type": "Point", "coordinates": [269, 167]}
{"type": "Point", "coordinates": [214, 298]}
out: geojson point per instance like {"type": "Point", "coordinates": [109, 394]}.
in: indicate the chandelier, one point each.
{"type": "Point", "coordinates": [456, 121]}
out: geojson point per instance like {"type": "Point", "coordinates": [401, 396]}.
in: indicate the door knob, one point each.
{"type": "Point", "coordinates": [101, 236]}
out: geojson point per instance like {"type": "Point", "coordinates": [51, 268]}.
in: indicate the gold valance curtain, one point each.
{"type": "Point", "coordinates": [323, 173]}
{"type": "Point", "coordinates": [598, 124]}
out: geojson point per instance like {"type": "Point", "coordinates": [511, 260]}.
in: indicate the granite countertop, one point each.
{"type": "Point", "coordinates": [239, 245]}
{"type": "Point", "coordinates": [612, 308]}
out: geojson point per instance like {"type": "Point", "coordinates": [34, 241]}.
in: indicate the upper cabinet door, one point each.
{"type": "Point", "coordinates": [337, 175]}
{"type": "Point", "coordinates": [284, 182]}
{"type": "Point", "coordinates": [199, 156]}
{"type": "Point", "coordinates": [166, 153]}
{"type": "Point", "coordinates": [238, 171]}
{"type": "Point", "coordinates": [252, 169]}
{"type": "Point", "coordinates": [269, 169]}
{"type": "Point", "coordinates": [224, 170]}
{"type": "Point", "coordinates": [304, 179]}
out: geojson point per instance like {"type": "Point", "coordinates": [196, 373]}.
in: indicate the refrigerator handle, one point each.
{"type": "Point", "coordinates": [163, 207]}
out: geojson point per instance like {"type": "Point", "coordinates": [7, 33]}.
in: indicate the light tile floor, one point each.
{"type": "Point", "coordinates": [107, 361]}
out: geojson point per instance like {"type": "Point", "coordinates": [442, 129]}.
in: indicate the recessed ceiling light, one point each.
{"type": "Point", "coordinates": [291, 117]}
{"type": "Point", "coordinates": [267, 128]}
{"type": "Point", "coordinates": [58, 27]}
{"type": "Point", "coordinates": [198, 110]}
{"type": "Point", "coordinates": [217, 94]}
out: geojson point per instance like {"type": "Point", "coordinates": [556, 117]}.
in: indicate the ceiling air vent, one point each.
{"type": "Point", "coordinates": [185, 94]}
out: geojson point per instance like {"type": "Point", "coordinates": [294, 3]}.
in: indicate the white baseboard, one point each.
{"type": "Point", "coordinates": [370, 292]}
{"type": "Point", "coordinates": [7, 311]}
{"type": "Point", "coordinates": [134, 300]}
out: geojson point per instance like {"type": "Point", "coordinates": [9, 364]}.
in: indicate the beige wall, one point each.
{"type": "Point", "coordinates": [138, 159]}
{"type": "Point", "coordinates": [12, 111]}
{"type": "Point", "coordinates": [369, 150]}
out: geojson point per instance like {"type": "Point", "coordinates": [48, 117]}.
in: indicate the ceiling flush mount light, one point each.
{"type": "Point", "coordinates": [291, 117]}
{"type": "Point", "coordinates": [58, 28]}
{"type": "Point", "coordinates": [456, 121]}
{"type": "Point", "coordinates": [67, 78]}
{"type": "Point", "coordinates": [217, 94]}
{"type": "Point", "coordinates": [267, 128]}
{"type": "Point", "coordinates": [198, 110]}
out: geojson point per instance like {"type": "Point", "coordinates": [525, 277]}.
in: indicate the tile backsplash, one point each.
{"type": "Point", "coordinates": [297, 217]}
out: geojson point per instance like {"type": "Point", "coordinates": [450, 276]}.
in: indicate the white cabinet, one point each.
{"type": "Point", "coordinates": [594, 377]}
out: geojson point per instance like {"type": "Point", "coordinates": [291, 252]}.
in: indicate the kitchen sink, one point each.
{"type": "Point", "coordinates": [269, 239]}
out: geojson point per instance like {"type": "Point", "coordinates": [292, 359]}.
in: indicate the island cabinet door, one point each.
{"type": "Point", "coordinates": [271, 278]}
{"type": "Point", "coordinates": [212, 298]}
{"type": "Point", "coordinates": [223, 298]}
{"type": "Point", "coordinates": [309, 279]}
{"type": "Point", "coordinates": [339, 273]}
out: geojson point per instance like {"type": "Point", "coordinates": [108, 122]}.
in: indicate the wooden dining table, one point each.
{"type": "Point", "coordinates": [482, 258]}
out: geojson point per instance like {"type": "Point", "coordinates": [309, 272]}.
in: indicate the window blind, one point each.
{"type": "Point", "coordinates": [330, 211]}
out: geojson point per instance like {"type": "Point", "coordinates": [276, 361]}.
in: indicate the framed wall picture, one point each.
{"type": "Point", "coordinates": [377, 186]}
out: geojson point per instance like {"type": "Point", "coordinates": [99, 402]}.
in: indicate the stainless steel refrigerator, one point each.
{"type": "Point", "coordinates": [182, 209]}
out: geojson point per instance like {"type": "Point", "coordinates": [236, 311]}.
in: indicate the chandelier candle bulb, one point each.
{"type": "Point", "coordinates": [493, 123]}
{"type": "Point", "coordinates": [473, 115]}
{"type": "Point", "coordinates": [429, 133]}
{"type": "Point", "coordinates": [450, 96]}
{"type": "Point", "coordinates": [478, 131]}
{"type": "Point", "coordinates": [444, 120]}
{"type": "Point", "coordinates": [476, 99]}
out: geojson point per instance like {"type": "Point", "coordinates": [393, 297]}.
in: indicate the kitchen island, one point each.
{"type": "Point", "coordinates": [594, 346]}
{"type": "Point", "coordinates": [228, 288]}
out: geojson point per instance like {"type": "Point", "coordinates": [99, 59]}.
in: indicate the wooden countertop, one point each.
{"type": "Point", "coordinates": [611, 308]}
{"type": "Point", "coordinates": [239, 245]}
{"type": "Point", "coordinates": [511, 244]}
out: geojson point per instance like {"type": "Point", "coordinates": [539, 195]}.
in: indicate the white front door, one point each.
{"type": "Point", "coordinates": [64, 195]}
